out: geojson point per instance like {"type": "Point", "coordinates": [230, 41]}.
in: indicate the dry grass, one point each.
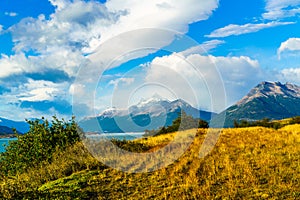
{"type": "Point", "coordinates": [246, 163]}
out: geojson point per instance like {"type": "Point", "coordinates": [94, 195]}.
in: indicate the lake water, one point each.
{"type": "Point", "coordinates": [5, 141]}
{"type": "Point", "coordinates": [119, 136]}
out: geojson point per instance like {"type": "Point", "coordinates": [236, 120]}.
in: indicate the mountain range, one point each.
{"type": "Point", "coordinates": [6, 126]}
{"type": "Point", "coordinates": [146, 115]}
{"type": "Point", "coordinates": [272, 100]}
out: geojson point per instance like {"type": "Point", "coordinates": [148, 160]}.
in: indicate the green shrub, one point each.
{"type": "Point", "coordinates": [263, 123]}
{"type": "Point", "coordinates": [181, 123]}
{"type": "Point", "coordinates": [295, 120]}
{"type": "Point", "coordinates": [38, 145]}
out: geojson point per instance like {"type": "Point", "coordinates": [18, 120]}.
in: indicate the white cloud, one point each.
{"type": "Point", "coordinates": [198, 77]}
{"type": "Point", "coordinates": [20, 114]}
{"type": "Point", "coordinates": [15, 64]}
{"type": "Point", "coordinates": [126, 81]}
{"type": "Point", "coordinates": [61, 59]}
{"type": "Point", "coordinates": [32, 91]}
{"type": "Point", "coordinates": [16, 112]}
{"type": "Point", "coordinates": [73, 25]}
{"type": "Point", "coordinates": [11, 14]}
{"type": "Point", "coordinates": [168, 14]}
{"type": "Point", "coordinates": [85, 25]}
{"type": "Point", "coordinates": [203, 48]}
{"type": "Point", "coordinates": [281, 9]}
{"type": "Point", "coordinates": [60, 4]}
{"type": "Point", "coordinates": [292, 44]}
{"type": "Point", "coordinates": [234, 29]}
{"type": "Point", "coordinates": [41, 91]}
{"type": "Point", "coordinates": [289, 75]}
{"type": "Point", "coordinates": [77, 89]}
{"type": "Point", "coordinates": [76, 28]}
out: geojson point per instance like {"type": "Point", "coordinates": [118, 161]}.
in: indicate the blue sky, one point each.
{"type": "Point", "coordinates": [71, 56]}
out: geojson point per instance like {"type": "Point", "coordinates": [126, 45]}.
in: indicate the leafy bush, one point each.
{"type": "Point", "coordinates": [39, 144]}
{"type": "Point", "coordinates": [295, 120]}
{"type": "Point", "coordinates": [263, 123]}
{"type": "Point", "coordinates": [131, 146]}
{"type": "Point", "coordinates": [183, 122]}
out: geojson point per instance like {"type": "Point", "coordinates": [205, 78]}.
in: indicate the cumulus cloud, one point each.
{"type": "Point", "coordinates": [63, 59]}
{"type": "Point", "coordinates": [204, 76]}
{"type": "Point", "coordinates": [74, 25]}
{"type": "Point", "coordinates": [15, 64]}
{"type": "Point", "coordinates": [126, 81]}
{"type": "Point", "coordinates": [281, 9]}
{"type": "Point", "coordinates": [31, 92]}
{"type": "Point", "coordinates": [289, 75]}
{"type": "Point", "coordinates": [292, 44]}
{"type": "Point", "coordinates": [69, 39]}
{"type": "Point", "coordinates": [85, 25]}
{"type": "Point", "coordinates": [77, 28]}
{"type": "Point", "coordinates": [234, 29]}
{"type": "Point", "coordinates": [203, 48]}
{"type": "Point", "coordinates": [41, 91]}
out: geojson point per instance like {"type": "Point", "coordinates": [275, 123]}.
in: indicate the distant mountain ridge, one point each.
{"type": "Point", "coordinates": [21, 126]}
{"type": "Point", "coordinates": [272, 100]}
{"type": "Point", "coordinates": [4, 130]}
{"type": "Point", "coordinates": [148, 114]}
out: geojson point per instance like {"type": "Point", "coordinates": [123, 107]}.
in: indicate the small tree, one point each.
{"type": "Point", "coordinates": [183, 122]}
{"type": "Point", "coordinates": [203, 124]}
{"type": "Point", "coordinates": [295, 120]}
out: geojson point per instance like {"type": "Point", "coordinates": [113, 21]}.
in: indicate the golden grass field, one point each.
{"type": "Point", "coordinates": [246, 163]}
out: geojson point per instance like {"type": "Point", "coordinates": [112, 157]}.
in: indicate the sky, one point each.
{"type": "Point", "coordinates": [64, 57]}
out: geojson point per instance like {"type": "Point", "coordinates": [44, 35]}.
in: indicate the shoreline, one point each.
{"type": "Point", "coordinates": [7, 136]}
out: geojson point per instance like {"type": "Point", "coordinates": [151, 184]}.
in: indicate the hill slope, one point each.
{"type": "Point", "coordinates": [271, 100]}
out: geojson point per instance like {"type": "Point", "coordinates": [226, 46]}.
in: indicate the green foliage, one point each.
{"type": "Point", "coordinates": [183, 122]}
{"type": "Point", "coordinates": [295, 120]}
{"type": "Point", "coordinates": [131, 146]}
{"type": "Point", "coordinates": [263, 123]}
{"type": "Point", "coordinates": [38, 145]}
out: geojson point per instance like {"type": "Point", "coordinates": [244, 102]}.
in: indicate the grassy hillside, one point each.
{"type": "Point", "coordinates": [247, 163]}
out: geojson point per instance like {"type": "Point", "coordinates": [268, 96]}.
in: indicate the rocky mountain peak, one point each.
{"type": "Point", "coordinates": [272, 100]}
{"type": "Point", "coordinates": [268, 89]}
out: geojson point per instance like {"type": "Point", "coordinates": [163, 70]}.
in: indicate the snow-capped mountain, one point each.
{"type": "Point", "coordinates": [147, 114]}
{"type": "Point", "coordinates": [272, 100]}
{"type": "Point", "coordinates": [111, 112]}
{"type": "Point", "coordinates": [154, 106]}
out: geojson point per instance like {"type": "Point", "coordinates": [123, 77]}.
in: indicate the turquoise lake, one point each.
{"type": "Point", "coordinates": [5, 141]}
